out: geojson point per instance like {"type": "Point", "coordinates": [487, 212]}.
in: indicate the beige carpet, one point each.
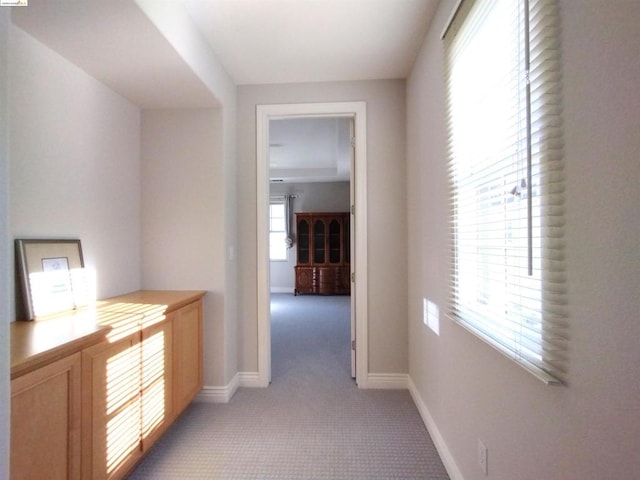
{"type": "Point", "coordinates": [311, 423]}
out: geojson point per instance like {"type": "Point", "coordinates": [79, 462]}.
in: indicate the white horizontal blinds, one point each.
{"type": "Point", "coordinates": [505, 170]}
{"type": "Point", "coordinates": [547, 154]}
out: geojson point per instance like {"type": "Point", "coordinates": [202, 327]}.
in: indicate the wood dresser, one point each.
{"type": "Point", "coordinates": [92, 389]}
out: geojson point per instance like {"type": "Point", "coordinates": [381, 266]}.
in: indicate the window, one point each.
{"type": "Point", "coordinates": [506, 177]}
{"type": "Point", "coordinates": [277, 231]}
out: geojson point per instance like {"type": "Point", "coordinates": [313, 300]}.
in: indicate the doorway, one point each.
{"type": "Point", "coordinates": [357, 112]}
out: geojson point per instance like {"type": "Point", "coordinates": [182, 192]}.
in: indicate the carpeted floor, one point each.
{"type": "Point", "coordinates": [311, 423]}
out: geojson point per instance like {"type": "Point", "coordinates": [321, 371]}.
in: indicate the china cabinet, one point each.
{"type": "Point", "coordinates": [323, 249]}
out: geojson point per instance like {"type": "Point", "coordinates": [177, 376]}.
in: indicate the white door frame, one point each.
{"type": "Point", "coordinates": [359, 258]}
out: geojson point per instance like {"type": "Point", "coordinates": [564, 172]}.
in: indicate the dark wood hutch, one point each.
{"type": "Point", "coordinates": [323, 248]}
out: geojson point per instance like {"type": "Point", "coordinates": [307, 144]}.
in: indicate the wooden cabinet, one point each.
{"type": "Point", "coordinates": [45, 422]}
{"type": "Point", "coordinates": [95, 412]}
{"type": "Point", "coordinates": [111, 407]}
{"type": "Point", "coordinates": [323, 250]}
{"type": "Point", "coordinates": [158, 380]}
{"type": "Point", "coordinates": [187, 354]}
{"type": "Point", "coordinates": [128, 399]}
{"type": "Point", "coordinates": [136, 386]}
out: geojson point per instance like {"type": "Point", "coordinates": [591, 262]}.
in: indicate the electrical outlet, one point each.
{"type": "Point", "coordinates": [482, 457]}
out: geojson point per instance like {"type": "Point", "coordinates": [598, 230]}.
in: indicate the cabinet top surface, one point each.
{"type": "Point", "coordinates": [321, 214]}
{"type": "Point", "coordinates": [169, 299]}
{"type": "Point", "coordinates": [36, 343]}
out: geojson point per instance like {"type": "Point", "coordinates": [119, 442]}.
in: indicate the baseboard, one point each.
{"type": "Point", "coordinates": [282, 289]}
{"type": "Point", "coordinates": [224, 394]}
{"type": "Point", "coordinates": [250, 379]}
{"type": "Point", "coordinates": [441, 446]}
{"type": "Point", "coordinates": [209, 394]}
{"type": "Point", "coordinates": [387, 381]}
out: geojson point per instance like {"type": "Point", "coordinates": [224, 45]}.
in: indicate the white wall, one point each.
{"type": "Point", "coordinates": [386, 201]}
{"type": "Point", "coordinates": [311, 197]}
{"type": "Point", "coordinates": [220, 306]}
{"type": "Point", "coordinates": [183, 232]}
{"type": "Point", "coordinates": [5, 247]}
{"type": "Point", "coordinates": [75, 171]}
{"type": "Point", "coordinates": [74, 168]}
{"type": "Point", "coordinates": [590, 428]}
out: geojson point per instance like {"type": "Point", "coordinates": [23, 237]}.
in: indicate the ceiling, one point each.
{"type": "Point", "coordinates": [310, 149]}
{"type": "Point", "coordinates": [114, 42]}
{"type": "Point", "coordinates": [287, 41]}
{"type": "Point", "coordinates": [257, 42]}
{"type": "Point", "coordinates": [291, 41]}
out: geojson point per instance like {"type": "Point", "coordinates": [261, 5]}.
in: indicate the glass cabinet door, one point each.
{"type": "Point", "coordinates": [303, 241]}
{"type": "Point", "coordinates": [318, 241]}
{"type": "Point", "coordinates": [334, 241]}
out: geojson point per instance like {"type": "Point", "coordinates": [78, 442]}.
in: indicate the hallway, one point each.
{"type": "Point", "coordinates": [311, 423]}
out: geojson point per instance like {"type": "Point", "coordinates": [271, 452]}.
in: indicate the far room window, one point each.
{"type": "Point", "coordinates": [506, 179]}
{"type": "Point", "coordinates": [277, 231]}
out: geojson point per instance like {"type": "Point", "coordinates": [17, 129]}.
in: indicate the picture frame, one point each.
{"type": "Point", "coordinates": [51, 275]}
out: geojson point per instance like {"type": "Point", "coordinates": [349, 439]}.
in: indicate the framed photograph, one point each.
{"type": "Point", "coordinates": [51, 274]}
